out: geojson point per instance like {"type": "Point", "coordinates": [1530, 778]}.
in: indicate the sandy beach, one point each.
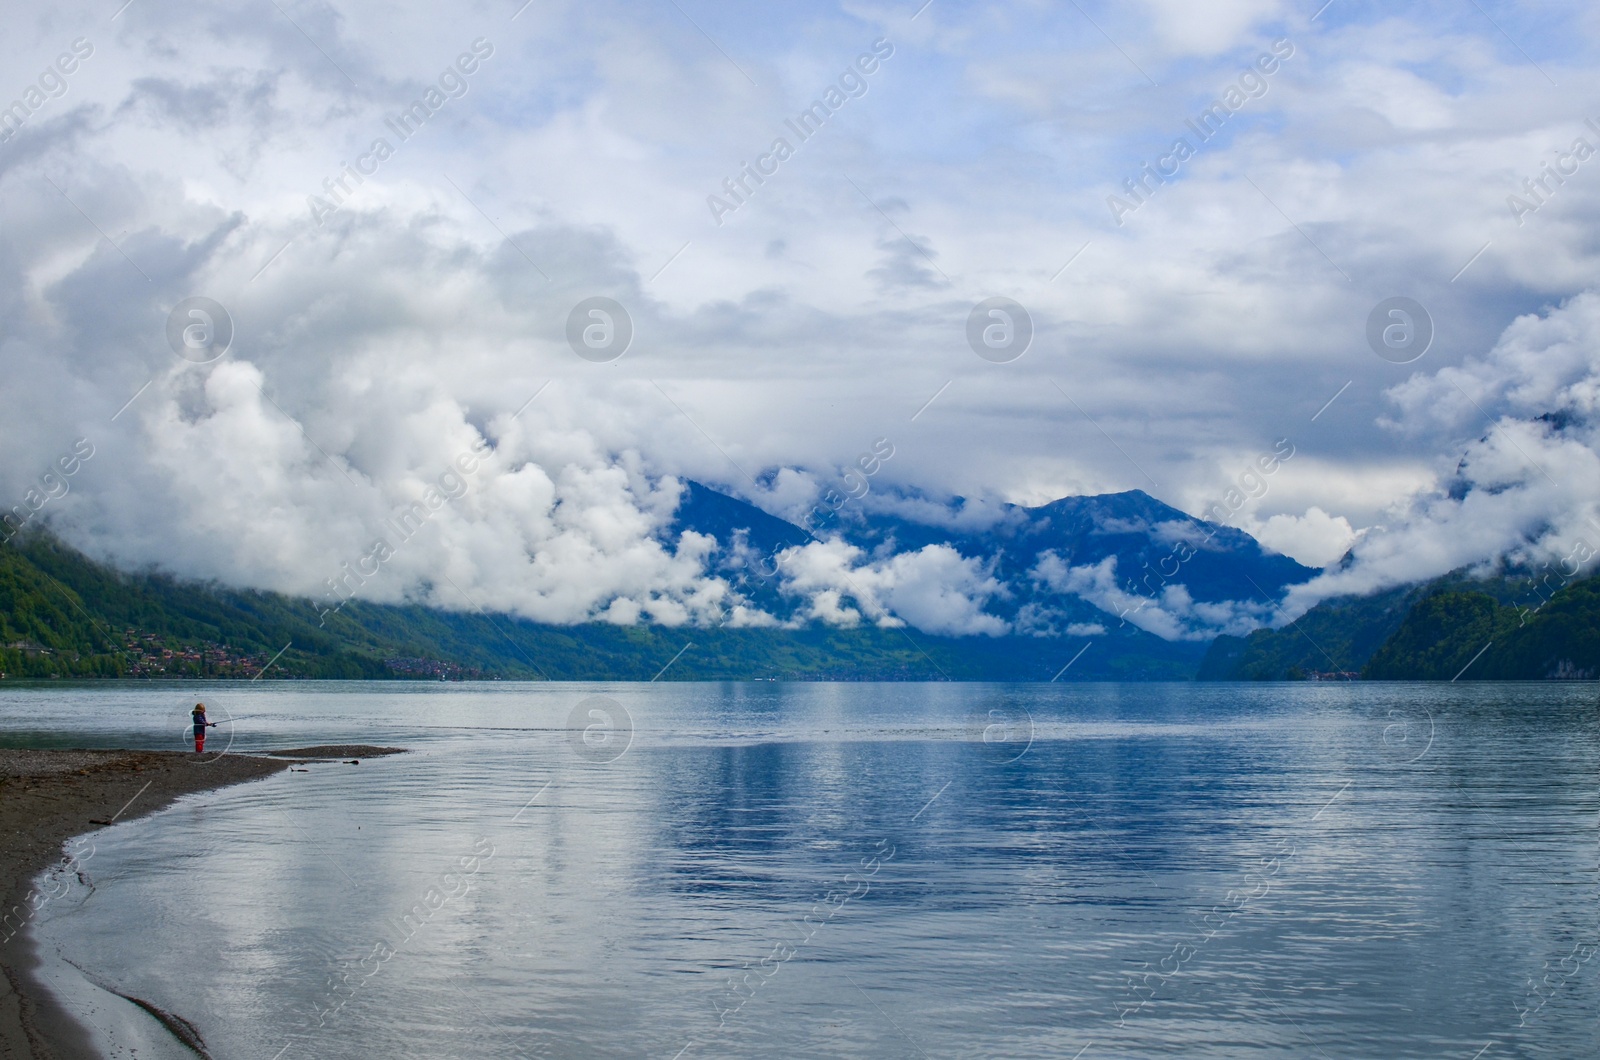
{"type": "Point", "coordinates": [49, 796]}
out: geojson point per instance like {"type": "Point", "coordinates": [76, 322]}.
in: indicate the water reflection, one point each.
{"type": "Point", "coordinates": [1209, 871]}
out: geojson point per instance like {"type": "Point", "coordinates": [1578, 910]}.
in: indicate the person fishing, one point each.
{"type": "Point", "coordinates": [200, 725]}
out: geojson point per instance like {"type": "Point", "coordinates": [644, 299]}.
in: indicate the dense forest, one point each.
{"type": "Point", "coordinates": [1457, 627]}
{"type": "Point", "coordinates": [63, 615]}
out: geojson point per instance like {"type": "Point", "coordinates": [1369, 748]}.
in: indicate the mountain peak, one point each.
{"type": "Point", "coordinates": [1080, 556]}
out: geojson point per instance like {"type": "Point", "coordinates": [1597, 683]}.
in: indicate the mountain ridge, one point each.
{"type": "Point", "coordinates": [63, 614]}
{"type": "Point", "coordinates": [1030, 551]}
{"type": "Point", "coordinates": [1454, 627]}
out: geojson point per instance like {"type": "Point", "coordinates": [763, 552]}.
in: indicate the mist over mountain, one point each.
{"type": "Point", "coordinates": [1074, 567]}
{"type": "Point", "coordinates": [1521, 626]}
{"type": "Point", "coordinates": [411, 346]}
{"type": "Point", "coordinates": [1520, 490]}
{"type": "Point", "coordinates": [1026, 595]}
{"type": "Point", "coordinates": [63, 615]}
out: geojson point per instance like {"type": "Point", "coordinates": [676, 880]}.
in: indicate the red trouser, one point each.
{"type": "Point", "coordinates": [199, 740]}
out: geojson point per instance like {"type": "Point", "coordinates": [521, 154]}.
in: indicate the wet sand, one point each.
{"type": "Point", "coordinates": [47, 798]}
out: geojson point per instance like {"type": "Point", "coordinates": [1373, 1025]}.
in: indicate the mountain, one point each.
{"type": "Point", "coordinates": [1137, 530]}
{"type": "Point", "coordinates": [63, 615]}
{"type": "Point", "coordinates": [1065, 586]}
{"type": "Point", "coordinates": [1478, 637]}
{"type": "Point", "coordinates": [1501, 628]}
{"type": "Point", "coordinates": [1078, 561]}
{"type": "Point", "coordinates": [1336, 636]}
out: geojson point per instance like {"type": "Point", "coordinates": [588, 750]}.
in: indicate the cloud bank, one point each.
{"type": "Point", "coordinates": [196, 149]}
{"type": "Point", "coordinates": [1524, 492]}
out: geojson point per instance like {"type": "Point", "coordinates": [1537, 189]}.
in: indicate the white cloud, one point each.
{"type": "Point", "coordinates": [1524, 490]}
{"type": "Point", "coordinates": [934, 589]}
{"type": "Point", "coordinates": [371, 349]}
{"type": "Point", "coordinates": [1206, 29]}
{"type": "Point", "coordinates": [1315, 538]}
{"type": "Point", "coordinates": [1172, 614]}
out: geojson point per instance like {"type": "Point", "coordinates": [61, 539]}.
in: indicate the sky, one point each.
{"type": "Point", "coordinates": [397, 223]}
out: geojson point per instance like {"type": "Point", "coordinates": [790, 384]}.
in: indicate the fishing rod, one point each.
{"type": "Point", "coordinates": [230, 721]}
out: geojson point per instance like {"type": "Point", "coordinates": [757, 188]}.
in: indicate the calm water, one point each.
{"type": "Point", "coordinates": [1014, 871]}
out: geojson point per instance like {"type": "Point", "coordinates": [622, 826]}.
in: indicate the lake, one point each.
{"type": "Point", "coordinates": [826, 870]}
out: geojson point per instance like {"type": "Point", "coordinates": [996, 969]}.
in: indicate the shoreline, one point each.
{"type": "Point", "coordinates": [48, 798]}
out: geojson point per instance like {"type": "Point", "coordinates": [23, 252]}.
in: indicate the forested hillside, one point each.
{"type": "Point", "coordinates": [1478, 637]}
{"type": "Point", "coordinates": [1500, 626]}
{"type": "Point", "coordinates": [62, 615]}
